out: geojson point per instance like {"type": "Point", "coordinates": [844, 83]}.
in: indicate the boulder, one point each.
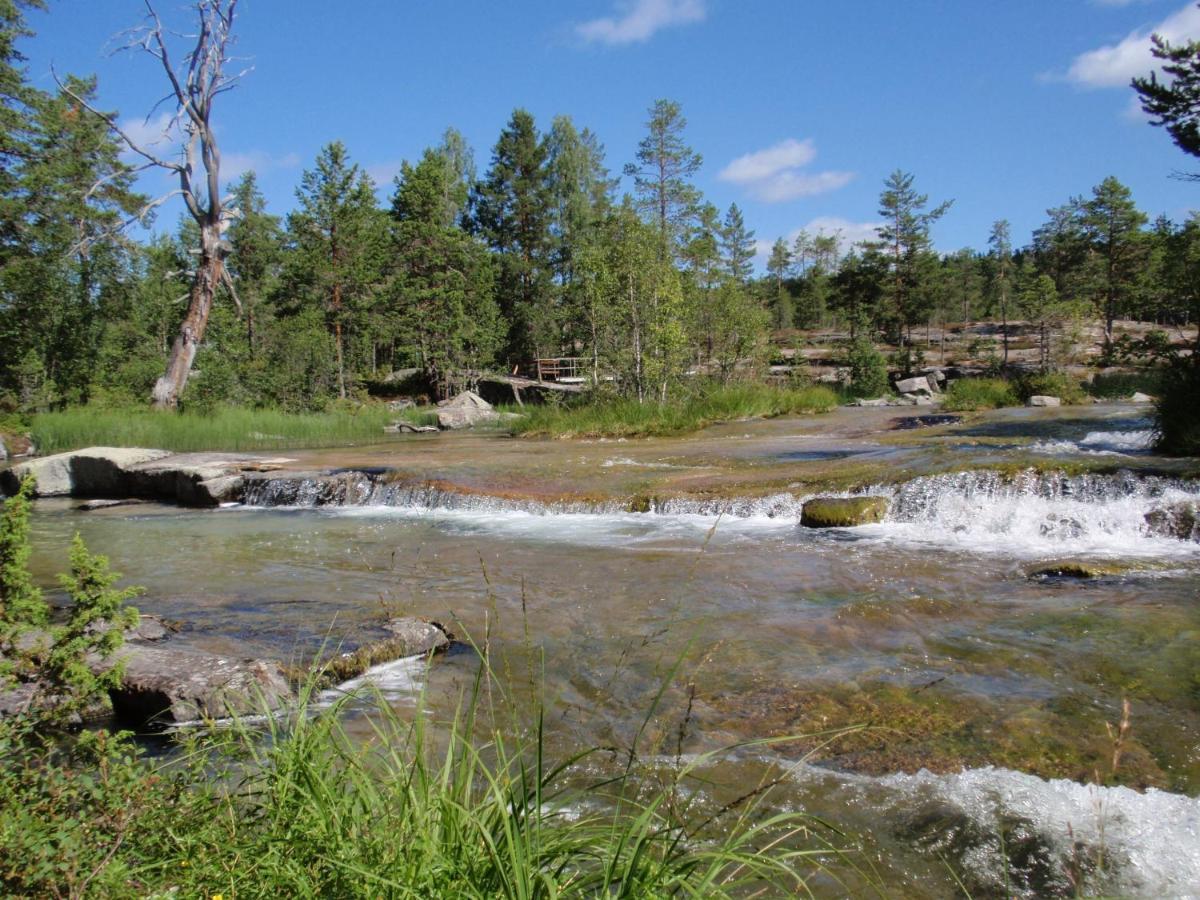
{"type": "Point", "coordinates": [918, 384]}
{"type": "Point", "coordinates": [169, 685]}
{"type": "Point", "coordinates": [878, 401]}
{"type": "Point", "coordinates": [1139, 397]}
{"type": "Point", "coordinates": [1077, 569]}
{"type": "Point", "coordinates": [1177, 520]}
{"type": "Point", "coordinates": [96, 470]}
{"type": "Point", "coordinates": [1043, 400]}
{"type": "Point", "coordinates": [464, 411]}
{"type": "Point", "coordinates": [842, 512]}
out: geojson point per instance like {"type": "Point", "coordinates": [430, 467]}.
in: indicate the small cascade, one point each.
{"type": "Point", "coordinates": [1101, 443]}
{"type": "Point", "coordinates": [1041, 513]}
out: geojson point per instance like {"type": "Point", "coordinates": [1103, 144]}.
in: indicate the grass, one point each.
{"type": "Point", "coordinates": [224, 429]}
{"type": "Point", "coordinates": [628, 418]}
{"type": "Point", "coordinates": [980, 393]}
{"type": "Point", "coordinates": [1121, 385]}
{"type": "Point", "coordinates": [303, 809]}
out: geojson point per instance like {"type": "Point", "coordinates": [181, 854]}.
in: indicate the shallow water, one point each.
{"type": "Point", "coordinates": [988, 691]}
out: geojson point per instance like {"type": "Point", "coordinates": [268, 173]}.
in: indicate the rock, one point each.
{"type": "Point", "coordinates": [464, 411]}
{"type": "Point", "coordinates": [165, 686]}
{"type": "Point", "coordinates": [916, 385]}
{"type": "Point", "coordinates": [3, 449]}
{"type": "Point", "coordinates": [1178, 520]}
{"type": "Point", "coordinates": [842, 512]}
{"type": "Point", "coordinates": [92, 505]}
{"type": "Point", "coordinates": [94, 471]}
{"type": "Point", "coordinates": [1074, 568]}
{"type": "Point", "coordinates": [1139, 397]}
{"type": "Point", "coordinates": [1043, 400]}
{"type": "Point", "coordinates": [924, 401]}
{"type": "Point", "coordinates": [410, 637]}
{"type": "Point", "coordinates": [407, 428]}
{"type": "Point", "coordinates": [878, 401]}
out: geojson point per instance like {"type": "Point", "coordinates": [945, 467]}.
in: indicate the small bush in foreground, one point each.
{"type": "Point", "coordinates": [628, 418]}
{"type": "Point", "coordinates": [980, 393]}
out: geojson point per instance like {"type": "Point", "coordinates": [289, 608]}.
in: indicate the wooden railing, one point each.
{"type": "Point", "coordinates": [562, 368]}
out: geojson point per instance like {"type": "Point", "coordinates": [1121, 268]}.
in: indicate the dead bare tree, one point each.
{"type": "Point", "coordinates": [195, 82]}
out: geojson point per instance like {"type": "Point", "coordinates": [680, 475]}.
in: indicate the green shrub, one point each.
{"type": "Point", "coordinates": [1177, 411]}
{"type": "Point", "coordinates": [1119, 385]}
{"type": "Point", "coordinates": [1051, 384]}
{"type": "Point", "coordinates": [868, 369]}
{"type": "Point", "coordinates": [22, 606]}
{"type": "Point", "coordinates": [980, 393]}
{"type": "Point", "coordinates": [623, 417]}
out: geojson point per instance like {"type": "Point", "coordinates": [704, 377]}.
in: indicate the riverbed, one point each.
{"type": "Point", "coordinates": [595, 572]}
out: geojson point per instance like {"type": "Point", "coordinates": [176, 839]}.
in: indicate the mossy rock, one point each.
{"type": "Point", "coordinates": [1076, 568]}
{"type": "Point", "coordinates": [843, 512]}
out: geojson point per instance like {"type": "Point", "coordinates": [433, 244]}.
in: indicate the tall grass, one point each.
{"type": "Point", "coordinates": [223, 429]}
{"type": "Point", "coordinates": [980, 393]}
{"type": "Point", "coordinates": [306, 810]}
{"type": "Point", "coordinates": [629, 418]}
{"type": "Point", "coordinates": [1120, 385]}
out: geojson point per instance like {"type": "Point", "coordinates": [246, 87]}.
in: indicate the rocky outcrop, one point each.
{"type": "Point", "coordinates": [94, 471]}
{"type": "Point", "coordinates": [128, 473]}
{"type": "Point", "coordinates": [1043, 400]}
{"type": "Point", "coordinates": [167, 685]}
{"type": "Point", "coordinates": [842, 512]}
{"type": "Point", "coordinates": [409, 637]}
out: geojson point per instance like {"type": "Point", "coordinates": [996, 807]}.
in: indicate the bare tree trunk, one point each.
{"type": "Point", "coordinates": [169, 388]}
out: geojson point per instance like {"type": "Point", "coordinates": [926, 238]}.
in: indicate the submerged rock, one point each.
{"type": "Point", "coordinates": [410, 637]}
{"type": "Point", "coordinates": [1075, 568]}
{"type": "Point", "coordinates": [1043, 400]}
{"type": "Point", "coordinates": [843, 512]}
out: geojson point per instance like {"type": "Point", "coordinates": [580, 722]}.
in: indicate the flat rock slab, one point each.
{"type": "Point", "coordinates": [97, 468]}
{"type": "Point", "coordinates": [168, 685]}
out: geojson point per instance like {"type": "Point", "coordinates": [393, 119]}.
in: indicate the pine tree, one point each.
{"type": "Point", "coordinates": [513, 213]}
{"type": "Point", "coordinates": [1174, 104]}
{"type": "Point", "coordinates": [21, 604]}
{"type": "Point", "coordinates": [737, 245]}
{"type": "Point", "coordinates": [1113, 225]}
{"type": "Point", "coordinates": [1000, 241]}
{"type": "Point", "coordinates": [779, 263]}
{"type": "Point", "coordinates": [256, 244]}
{"type": "Point", "coordinates": [662, 174]}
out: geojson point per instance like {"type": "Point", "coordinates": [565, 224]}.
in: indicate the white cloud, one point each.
{"type": "Point", "coordinates": [1115, 64]}
{"type": "Point", "coordinates": [258, 161]}
{"type": "Point", "coordinates": [154, 135]}
{"type": "Point", "coordinates": [774, 175]}
{"type": "Point", "coordinates": [640, 20]}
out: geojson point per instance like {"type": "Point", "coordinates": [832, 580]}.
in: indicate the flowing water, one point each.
{"type": "Point", "coordinates": [987, 690]}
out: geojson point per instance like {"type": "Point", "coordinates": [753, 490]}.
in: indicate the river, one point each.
{"type": "Point", "coordinates": [987, 691]}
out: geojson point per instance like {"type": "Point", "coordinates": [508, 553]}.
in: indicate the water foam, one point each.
{"type": "Point", "coordinates": [1150, 841]}
{"type": "Point", "coordinates": [1037, 513]}
{"type": "Point", "coordinates": [1101, 443]}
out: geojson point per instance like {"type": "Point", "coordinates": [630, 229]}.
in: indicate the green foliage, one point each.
{"type": "Point", "coordinates": [629, 418]}
{"type": "Point", "coordinates": [22, 606]}
{"type": "Point", "coordinates": [1177, 411]}
{"type": "Point", "coordinates": [305, 810]}
{"type": "Point", "coordinates": [1174, 102]}
{"type": "Point", "coordinates": [94, 630]}
{"type": "Point", "coordinates": [867, 368]}
{"type": "Point", "coordinates": [980, 393]}
{"type": "Point", "coordinates": [1120, 385]}
{"type": "Point", "coordinates": [1051, 384]}
{"type": "Point", "coordinates": [222, 429]}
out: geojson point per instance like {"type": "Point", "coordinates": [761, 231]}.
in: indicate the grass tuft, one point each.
{"type": "Point", "coordinates": [628, 418]}
{"type": "Point", "coordinates": [224, 429]}
{"type": "Point", "coordinates": [980, 393]}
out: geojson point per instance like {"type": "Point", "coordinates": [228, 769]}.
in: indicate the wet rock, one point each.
{"type": "Point", "coordinates": [407, 428]}
{"type": "Point", "coordinates": [410, 637]}
{"type": "Point", "coordinates": [1077, 569]}
{"type": "Point", "coordinates": [1178, 520]}
{"type": "Point", "coordinates": [464, 411]}
{"type": "Point", "coordinates": [92, 505]}
{"type": "Point", "coordinates": [877, 401]}
{"type": "Point", "coordinates": [94, 471]}
{"type": "Point", "coordinates": [169, 685]}
{"type": "Point", "coordinates": [1043, 400]}
{"type": "Point", "coordinates": [842, 512]}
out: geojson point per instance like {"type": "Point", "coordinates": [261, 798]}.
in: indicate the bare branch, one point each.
{"type": "Point", "coordinates": [227, 280]}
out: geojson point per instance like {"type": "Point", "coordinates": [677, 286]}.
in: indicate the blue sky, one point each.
{"type": "Point", "coordinates": [800, 108]}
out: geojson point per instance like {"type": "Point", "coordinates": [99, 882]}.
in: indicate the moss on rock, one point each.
{"type": "Point", "coordinates": [843, 512]}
